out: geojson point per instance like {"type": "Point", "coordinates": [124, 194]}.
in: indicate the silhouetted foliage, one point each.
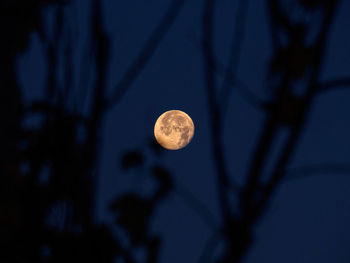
{"type": "Point", "coordinates": [48, 171]}
{"type": "Point", "coordinates": [134, 212]}
{"type": "Point", "coordinates": [132, 159]}
{"type": "Point", "coordinates": [134, 216]}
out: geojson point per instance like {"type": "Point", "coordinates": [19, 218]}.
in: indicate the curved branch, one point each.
{"type": "Point", "coordinates": [146, 53]}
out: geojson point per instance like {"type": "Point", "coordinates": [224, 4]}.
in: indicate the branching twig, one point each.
{"type": "Point", "coordinates": [290, 145]}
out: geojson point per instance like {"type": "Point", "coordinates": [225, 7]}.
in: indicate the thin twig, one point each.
{"type": "Point", "coordinates": [146, 53]}
{"type": "Point", "coordinates": [96, 117]}
{"type": "Point", "coordinates": [235, 51]}
{"type": "Point", "coordinates": [340, 83]}
{"type": "Point", "coordinates": [317, 169]}
{"type": "Point", "coordinates": [235, 83]}
{"type": "Point", "coordinates": [214, 110]}
{"type": "Point", "coordinates": [210, 247]}
{"type": "Point", "coordinates": [196, 205]}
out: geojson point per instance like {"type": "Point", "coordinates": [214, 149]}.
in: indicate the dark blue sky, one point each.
{"type": "Point", "coordinates": [308, 219]}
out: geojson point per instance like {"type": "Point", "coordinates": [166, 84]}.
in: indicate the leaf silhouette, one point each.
{"type": "Point", "coordinates": [133, 158]}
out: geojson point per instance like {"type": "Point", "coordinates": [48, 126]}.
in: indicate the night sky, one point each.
{"type": "Point", "coordinates": [309, 214]}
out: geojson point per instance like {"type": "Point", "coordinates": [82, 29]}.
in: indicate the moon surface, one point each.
{"type": "Point", "coordinates": [174, 129]}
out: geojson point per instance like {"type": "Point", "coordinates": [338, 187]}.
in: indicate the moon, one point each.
{"type": "Point", "coordinates": [174, 129]}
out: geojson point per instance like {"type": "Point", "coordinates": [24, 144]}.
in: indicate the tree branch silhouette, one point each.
{"type": "Point", "coordinates": [289, 149]}
{"type": "Point", "coordinates": [255, 196]}
{"type": "Point", "coordinates": [197, 206]}
{"type": "Point", "coordinates": [236, 84]}
{"type": "Point", "coordinates": [214, 110]}
{"type": "Point", "coordinates": [316, 169]}
{"type": "Point", "coordinates": [96, 115]}
{"type": "Point", "coordinates": [210, 247]}
{"type": "Point", "coordinates": [335, 84]}
{"type": "Point", "coordinates": [272, 125]}
{"type": "Point", "coordinates": [235, 51]}
{"type": "Point", "coordinates": [50, 204]}
{"type": "Point", "coordinates": [146, 53]}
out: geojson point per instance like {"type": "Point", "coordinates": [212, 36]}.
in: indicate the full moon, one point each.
{"type": "Point", "coordinates": [174, 129]}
